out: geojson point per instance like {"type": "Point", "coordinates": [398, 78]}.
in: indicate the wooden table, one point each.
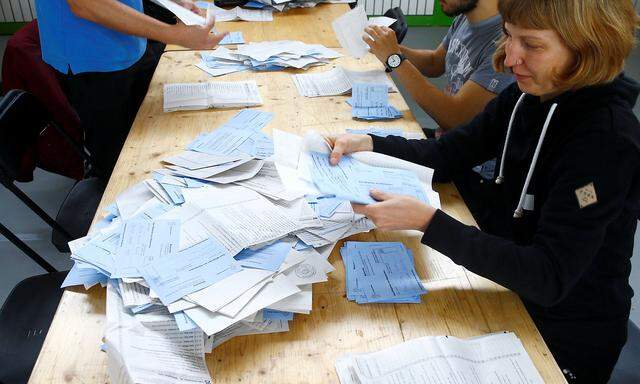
{"type": "Point", "coordinates": [459, 302]}
{"type": "Point", "coordinates": [309, 25]}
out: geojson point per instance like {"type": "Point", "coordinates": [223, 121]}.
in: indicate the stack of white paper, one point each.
{"type": "Point", "coordinates": [443, 359]}
{"type": "Point", "coordinates": [338, 81]}
{"type": "Point", "coordinates": [265, 56]}
{"type": "Point", "coordinates": [194, 96]}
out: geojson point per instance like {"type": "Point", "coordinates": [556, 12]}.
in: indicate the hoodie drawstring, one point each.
{"type": "Point", "coordinates": [519, 209]}
{"type": "Point", "coordinates": [500, 178]}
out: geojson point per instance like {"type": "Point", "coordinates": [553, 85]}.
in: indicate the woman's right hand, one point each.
{"type": "Point", "coordinates": [346, 144]}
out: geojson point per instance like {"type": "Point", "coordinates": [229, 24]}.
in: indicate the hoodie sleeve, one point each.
{"type": "Point", "coordinates": [460, 149]}
{"type": "Point", "coordinates": [592, 181]}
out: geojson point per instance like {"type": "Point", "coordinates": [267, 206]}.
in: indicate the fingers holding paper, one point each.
{"type": "Point", "coordinates": [382, 41]}
{"type": "Point", "coordinates": [191, 5]}
{"type": "Point", "coordinates": [396, 212]}
{"type": "Point", "coordinates": [197, 36]}
{"type": "Point", "coordinates": [348, 143]}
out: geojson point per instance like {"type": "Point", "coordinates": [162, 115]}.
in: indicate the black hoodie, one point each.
{"type": "Point", "coordinates": [568, 255]}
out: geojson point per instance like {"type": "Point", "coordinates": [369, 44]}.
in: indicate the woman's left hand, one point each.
{"type": "Point", "coordinates": [396, 212]}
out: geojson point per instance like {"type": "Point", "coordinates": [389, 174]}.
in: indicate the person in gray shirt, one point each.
{"type": "Point", "coordinates": [464, 57]}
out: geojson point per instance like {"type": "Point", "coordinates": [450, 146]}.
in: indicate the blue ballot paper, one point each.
{"type": "Point", "coordinates": [142, 242]}
{"type": "Point", "coordinates": [365, 95]}
{"type": "Point", "coordinates": [272, 314]}
{"type": "Point", "coordinates": [231, 138]}
{"type": "Point", "coordinates": [269, 257]}
{"type": "Point", "coordinates": [189, 270]}
{"type": "Point", "coordinates": [184, 322]}
{"type": "Point", "coordinates": [382, 132]}
{"type": "Point", "coordinates": [371, 102]}
{"type": "Point", "coordinates": [353, 180]}
{"type": "Point", "coordinates": [232, 38]}
{"type": "Point", "coordinates": [254, 4]}
{"type": "Point", "coordinates": [380, 273]}
{"type": "Point", "coordinates": [83, 276]}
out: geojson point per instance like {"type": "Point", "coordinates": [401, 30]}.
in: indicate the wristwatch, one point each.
{"type": "Point", "coordinates": [394, 61]}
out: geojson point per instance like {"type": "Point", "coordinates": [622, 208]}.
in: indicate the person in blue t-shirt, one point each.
{"type": "Point", "coordinates": [99, 49]}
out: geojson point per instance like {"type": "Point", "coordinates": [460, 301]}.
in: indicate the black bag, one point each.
{"type": "Point", "coordinates": [400, 27]}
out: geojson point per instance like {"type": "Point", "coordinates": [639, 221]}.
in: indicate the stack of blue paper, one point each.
{"type": "Point", "coordinates": [380, 273]}
{"type": "Point", "coordinates": [371, 102]}
{"type": "Point", "coordinates": [353, 180]}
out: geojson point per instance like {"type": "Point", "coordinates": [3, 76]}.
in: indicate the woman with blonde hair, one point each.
{"type": "Point", "coordinates": [561, 216]}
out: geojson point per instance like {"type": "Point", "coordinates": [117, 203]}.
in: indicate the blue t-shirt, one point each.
{"type": "Point", "coordinates": [70, 43]}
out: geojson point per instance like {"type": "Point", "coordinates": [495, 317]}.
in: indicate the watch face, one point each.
{"type": "Point", "coordinates": [394, 61]}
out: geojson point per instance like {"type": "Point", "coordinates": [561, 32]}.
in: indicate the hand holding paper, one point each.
{"type": "Point", "coordinates": [397, 212]}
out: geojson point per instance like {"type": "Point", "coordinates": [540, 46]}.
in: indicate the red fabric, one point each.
{"type": "Point", "coordinates": [23, 68]}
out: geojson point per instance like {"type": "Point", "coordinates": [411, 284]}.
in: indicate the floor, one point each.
{"type": "Point", "coordinates": [49, 190]}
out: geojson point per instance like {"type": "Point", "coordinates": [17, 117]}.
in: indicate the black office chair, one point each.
{"type": "Point", "coordinates": [627, 370]}
{"type": "Point", "coordinates": [22, 119]}
{"type": "Point", "coordinates": [26, 316]}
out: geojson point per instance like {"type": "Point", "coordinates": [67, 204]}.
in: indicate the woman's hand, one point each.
{"type": "Point", "coordinates": [382, 42]}
{"type": "Point", "coordinates": [346, 144]}
{"type": "Point", "coordinates": [396, 212]}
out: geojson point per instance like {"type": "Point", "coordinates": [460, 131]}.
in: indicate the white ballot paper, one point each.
{"type": "Point", "coordinates": [194, 96]}
{"type": "Point", "coordinates": [238, 13]}
{"type": "Point", "coordinates": [443, 359]}
{"type": "Point", "coordinates": [349, 29]}
{"type": "Point", "coordinates": [156, 352]}
{"type": "Point", "coordinates": [337, 81]}
{"type": "Point", "coordinates": [182, 13]}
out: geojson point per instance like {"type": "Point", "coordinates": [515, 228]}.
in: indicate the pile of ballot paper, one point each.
{"type": "Point", "coordinates": [225, 240]}
{"type": "Point", "coordinates": [371, 102]}
{"type": "Point", "coordinates": [265, 56]}
{"type": "Point", "coordinates": [492, 358]}
{"type": "Point", "coordinates": [380, 273]}
{"type": "Point", "coordinates": [338, 81]}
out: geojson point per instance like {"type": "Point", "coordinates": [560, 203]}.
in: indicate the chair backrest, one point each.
{"type": "Point", "coordinates": [22, 119]}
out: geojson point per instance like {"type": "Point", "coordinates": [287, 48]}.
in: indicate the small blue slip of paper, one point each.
{"type": "Point", "coordinates": [269, 257]}
{"type": "Point", "coordinates": [352, 180]}
{"type": "Point", "coordinates": [232, 38]}
{"type": "Point", "coordinates": [189, 270]}
{"type": "Point", "coordinates": [380, 273]}
{"type": "Point", "coordinates": [272, 314]}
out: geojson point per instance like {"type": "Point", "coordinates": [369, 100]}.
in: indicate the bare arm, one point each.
{"type": "Point", "coordinates": [122, 18]}
{"type": "Point", "coordinates": [449, 111]}
{"type": "Point", "coordinates": [430, 62]}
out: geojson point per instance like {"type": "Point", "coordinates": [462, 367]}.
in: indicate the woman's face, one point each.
{"type": "Point", "coordinates": [535, 56]}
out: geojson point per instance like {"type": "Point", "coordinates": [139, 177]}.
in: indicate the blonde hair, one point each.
{"type": "Point", "coordinates": [600, 33]}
